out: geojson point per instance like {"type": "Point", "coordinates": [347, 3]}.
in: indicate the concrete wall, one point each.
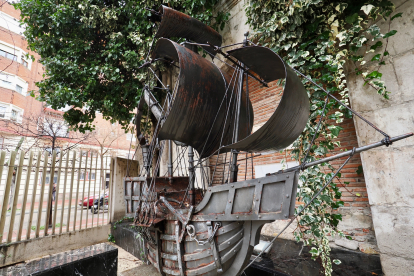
{"type": "Point", "coordinates": [118, 207]}
{"type": "Point", "coordinates": [389, 172]}
{"type": "Point", "coordinates": [36, 248]}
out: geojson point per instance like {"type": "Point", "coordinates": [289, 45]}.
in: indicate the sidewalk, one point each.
{"type": "Point", "coordinates": [44, 205]}
{"type": "Point", "coordinates": [129, 265]}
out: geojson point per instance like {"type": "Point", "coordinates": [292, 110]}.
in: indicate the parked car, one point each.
{"type": "Point", "coordinates": [100, 204]}
{"type": "Point", "coordinates": [84, 202]}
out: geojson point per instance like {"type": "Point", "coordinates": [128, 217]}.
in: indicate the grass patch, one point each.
{"type": "Point", "coordinates": [43, 227]}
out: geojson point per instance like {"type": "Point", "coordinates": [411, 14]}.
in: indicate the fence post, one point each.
{"type": "Point", "coordinates": [48, 222]}
{"type": "Point", "coordinates": [83, 189]}
{"type": "Point", "coordinates": [94, 186]}
{"type": "Point", "coordinates": [57, 196]}
{"type": "Point", "coordinates": [64, 193]}
{"type": "Point", "coordinates": [89, 188]}
{"type": "Point", "coordinates": [18, 179]}
{"type": "Point", "coordinates": [111, 172]}
{"type": "Point", "coordinates": [6, 193]}
{"type": "Point", "coordinates": [118, 189]}
{"type": "Point", "coordinates": [71, 189]}
{"type": "Point", "coordinates": [26, 190]}
{"type": "Point", "coordinates": [32, 204]}
{"type": "Point", "coordinates": [2, 157]}
{"type": "Point", "coordinates": [42, 192]}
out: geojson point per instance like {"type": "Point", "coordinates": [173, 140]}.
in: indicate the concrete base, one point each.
{"type": "Point", "coordinates": [35, 248]}
{"type": "Point", "coordinates": [142, 270]}
{"type": "Point", "coordinates": [130, 240]}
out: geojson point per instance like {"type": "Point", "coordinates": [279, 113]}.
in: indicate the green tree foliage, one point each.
{"type": "Point", "coordinates": [317, 38]}
{"type": "Point", "coordinates": [91, 51]}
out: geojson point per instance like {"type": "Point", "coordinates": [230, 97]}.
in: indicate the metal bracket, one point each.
{"type": "Point", "coordinates": [176, 213]}
{"type": "Point", "coordinates": [179, 247]}
{"type": "Point", "coordinates": [214, 248]}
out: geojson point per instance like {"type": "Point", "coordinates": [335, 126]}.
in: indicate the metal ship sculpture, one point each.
{"type": "Point", "coordinates": [199, 228]}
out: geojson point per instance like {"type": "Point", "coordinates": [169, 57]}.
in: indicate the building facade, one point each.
{"type": "Point", "coordinates": [21, 115]}
{"type": "Point", "coordinates": [30, 125]}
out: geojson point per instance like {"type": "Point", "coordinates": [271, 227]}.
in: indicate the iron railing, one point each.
{"type": "Point", "coordinates": [43, 194]}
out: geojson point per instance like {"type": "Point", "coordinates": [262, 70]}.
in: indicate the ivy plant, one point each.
{"type": "Point", "coordinates": [317, 38]}
{"type": "Point", "coordinates": [91, 51]}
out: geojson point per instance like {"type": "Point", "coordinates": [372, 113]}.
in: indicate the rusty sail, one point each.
{"type": "Point", "coordinates": [202, 112]}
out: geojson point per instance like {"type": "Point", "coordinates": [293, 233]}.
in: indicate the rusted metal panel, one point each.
{"type": "Point", "coordinates": [198, 114]}
{"type": "Point", "coordinates": [132, 189]}
{"type": "Point", "coordinates": [292, 113]}
{"type": "Point", "coordinates": [212, 266]}
{"type": "Point", "coordinates": [177, 24]}
{"type": "Point", "coordinates": [272, 199]}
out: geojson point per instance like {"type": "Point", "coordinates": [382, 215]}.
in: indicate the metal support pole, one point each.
{"type": "Point", "coordinates": [191, 171]}
{"type": "Point", "coordinates": [346, 153]}
{"type": "Point", "coordinates": [170, 161]}
{"type": "Point", "coordinates": [234, 169]}
{"type": "Point", "coordinates": [152, 104]}
{"type": "Point", "coordinates": [145, 157]}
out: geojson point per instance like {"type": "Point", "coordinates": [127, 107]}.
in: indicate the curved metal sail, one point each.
{"type": "Point", "coordinates": [292, 113]}
{"type": "Point", "coordinates": [199, 113]}
{"type": "Point", "coordinates": [177, 24]}
{"type": "Point", "coordinates": [202, 114]}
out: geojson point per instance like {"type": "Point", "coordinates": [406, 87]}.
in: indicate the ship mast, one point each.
{"type": "Point", "coordinates": [234, 169]}
{"type": "Point", "coordinates": [191, 170]}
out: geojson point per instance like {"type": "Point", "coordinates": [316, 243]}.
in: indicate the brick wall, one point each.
{"type": "Point", "coordinates": [356, 212]}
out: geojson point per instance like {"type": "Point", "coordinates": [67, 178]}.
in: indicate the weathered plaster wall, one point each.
{"type": "Point", "coordinates": [389, 172]}
{"type": "Point", "coordinates": [117, 193]}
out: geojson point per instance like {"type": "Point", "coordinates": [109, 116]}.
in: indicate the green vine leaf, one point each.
{"type": "Point", "coordinates": [376, 57]}
{"type": "Point", "coordinates": [391, 33]}
{"type": "Point", "coordinates": [397, 15]}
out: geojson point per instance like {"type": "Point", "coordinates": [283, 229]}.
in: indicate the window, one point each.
{"type": "Point", "coordinates": [24, 62]}
{"type": "Point", "coordinates": [6, 84]}
{"type": "Point", "coordinates": [54, 128]}
{"type": "Point", "coordinates": [55, 177]}
{"type": "Point", "coordinates": [14, 53]}
{"type": "Point", "coordinates": [8, 55]}
{"type": "Point", "coordinates": [49, 150]}
{"type": "Point", "coordinates": [19, 89]}
{"type": "Point", "coordinates": [3, 110]}
{"type": "Point", "coordinates": [13, 82]}
{"type": "Point", "coordinates": [12, 24]}
{"type": "Point", "coordinates": [11, 112]}
{"type": "Point", "coordinates": [131, 137]}
{"type": "Point", "coordinates": [14, 115]}
{"type": "Point", "coordinates": [87, 176]}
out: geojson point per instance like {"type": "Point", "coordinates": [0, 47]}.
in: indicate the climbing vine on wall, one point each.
{"type": "Point", "coordinates": [319, 38]}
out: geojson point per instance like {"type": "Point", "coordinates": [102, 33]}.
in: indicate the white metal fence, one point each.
{"type": "Point", "coordinates": [44, 194]}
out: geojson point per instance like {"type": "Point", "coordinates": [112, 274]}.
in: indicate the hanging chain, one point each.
{"type": "Point", "coordinates": [192, 234]}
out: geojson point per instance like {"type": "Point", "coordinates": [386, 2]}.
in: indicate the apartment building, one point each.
{"type": "Point", "coordinates": [29, 124]}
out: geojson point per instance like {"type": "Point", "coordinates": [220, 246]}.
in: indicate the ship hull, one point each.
{"type": "Point", "coordinates": [216, 237]}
